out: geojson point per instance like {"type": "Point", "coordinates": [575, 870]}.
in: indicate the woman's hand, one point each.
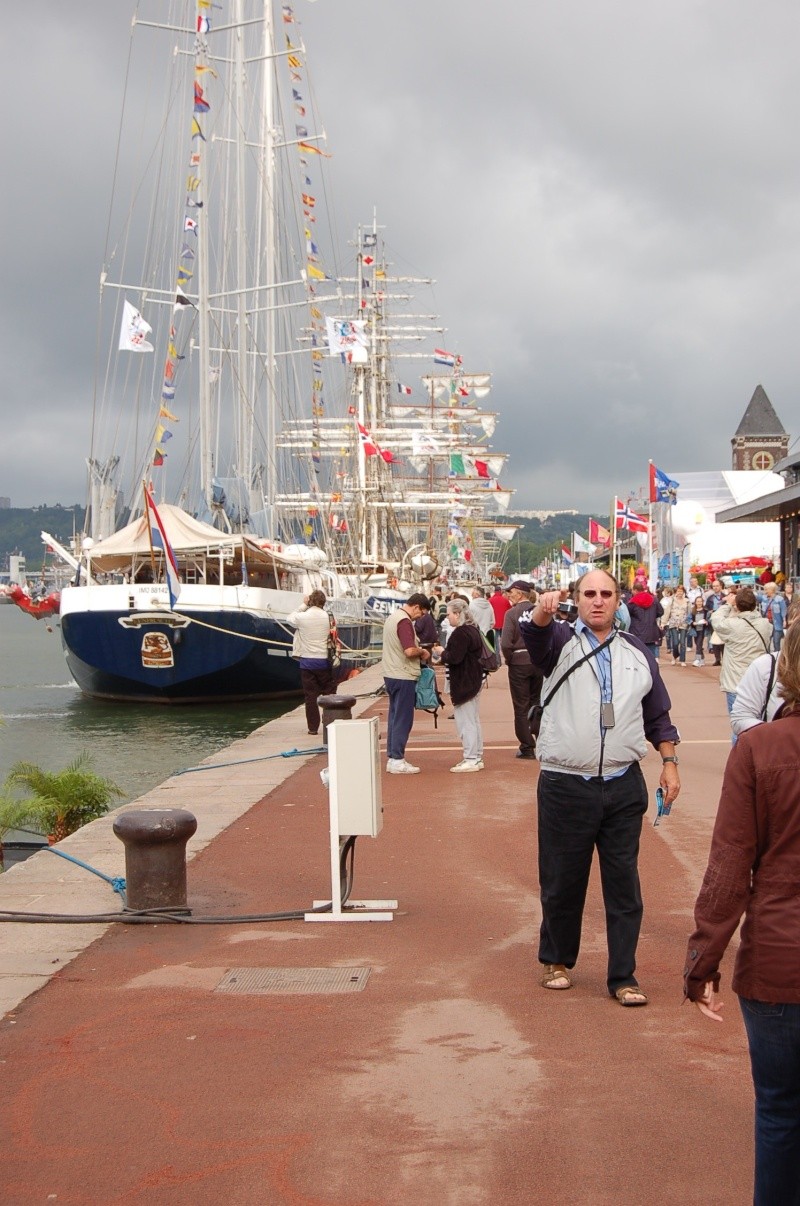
{"type": "Point", "coordinates": [710, 1003]}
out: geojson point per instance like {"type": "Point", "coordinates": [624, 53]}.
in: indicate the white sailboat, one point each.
{"type": "Point", "coordinates": [200, 309]}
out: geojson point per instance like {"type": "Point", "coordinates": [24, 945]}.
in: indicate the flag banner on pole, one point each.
{"type": "Point", "coordinates": [662, 488]}
{"type": "Point", "coordinates": [345, 336]}
{"type": "Point", "coordinates": [133, 330]}
{"type": "Point", "coordinates": [628, 519]}
{"type": "Point", "coordinates": [566, 556]}
{"type": "Point", "coordinates": [598, 534]}
{"type": "Point", "coordinates": [159, 540]}
{"type": "Point", "coordinates": [580, 545]}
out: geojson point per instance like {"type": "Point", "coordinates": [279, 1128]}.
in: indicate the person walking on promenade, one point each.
{"type": "Point", "coordinates": [645, 611]}
{"type": "Point", "coordinates": [746, 635]}
{"type": "Point", "coordinates": [401, 663]}
{"type": "Point", "coordinates": [678, 625]}
{"type": "Point", "coordinates": [603, 700]}
{"type": "Point", "coordinates": [462, 656]}
{"type": "Point", "coordinates": [311, 646]}
{"type": "Point", "coordinates": [714, 599]}
{"type": "Point", "coordinates": [758, 696]}
{"type": "Point", "coordinates": [500, 604]}
{"type": "Point", "coordinates": [774, 608]}
{"type": "Point", "coordinates": [752, 870]}
{"type": "Point", "coordinates": [524, 679]}
{"type": "Point", "coordinates": [699, 625]}
{"type": "Point", "coordinates": [483, 611]}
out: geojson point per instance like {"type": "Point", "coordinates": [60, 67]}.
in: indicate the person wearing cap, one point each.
{"type": "Point", "coordinates": [603, 700]}
{"type": "Point", "coordinates": [402, 661]}
{"type": "Point", "coordinates": [524, 679]}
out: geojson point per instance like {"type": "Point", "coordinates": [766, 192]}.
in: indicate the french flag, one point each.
{"type": "Point", "coordinates": [159, 540]}
{"type": "Point", "coordinates": [403, 389]}
{"type": "Point", "coordinates": [566, 556]}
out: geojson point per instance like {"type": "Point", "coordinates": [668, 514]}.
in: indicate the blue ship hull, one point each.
{"type": "Point", "coordinates": [150, 658]}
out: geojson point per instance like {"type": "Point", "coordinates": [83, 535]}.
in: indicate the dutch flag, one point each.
{"type": "Point", "coordinates": [159, 540]}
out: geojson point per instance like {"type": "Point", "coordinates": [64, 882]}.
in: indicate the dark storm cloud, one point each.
{"type": "Point", "coordinates": [607, 196]}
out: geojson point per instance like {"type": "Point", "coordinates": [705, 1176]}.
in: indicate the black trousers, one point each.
{"type": "Point", "coordinates": [525, 685]}
{"type": "Point", "coordinates": [575, 816]}
{"type": "Point", "coordinates": [314, 684]}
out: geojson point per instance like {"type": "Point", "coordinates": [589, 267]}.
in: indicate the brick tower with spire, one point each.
{"type": "Point", "coordinates": [760, 440]}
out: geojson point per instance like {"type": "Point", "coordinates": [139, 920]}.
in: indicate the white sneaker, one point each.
{"type": "Point", "coordinates": [399, 766]}
{"type": "Point", "coordinates": [697, 662]}
{"type": "Point", "coordinates": [465, 766]}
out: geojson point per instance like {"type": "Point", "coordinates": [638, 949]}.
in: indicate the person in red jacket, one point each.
{"type": "Point", "coordinates": [500, 605]}
{"type": "Point", "coordinates": [753, 870]}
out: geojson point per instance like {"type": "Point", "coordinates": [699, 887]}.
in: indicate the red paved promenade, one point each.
{"type": "Point", "coordinates": [452, 1078]}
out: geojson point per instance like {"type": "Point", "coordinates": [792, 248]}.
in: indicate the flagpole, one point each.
{"type": "Point", "coordinates": [149, 530]}
{"type": "Point", "coordinates": [613, 525]}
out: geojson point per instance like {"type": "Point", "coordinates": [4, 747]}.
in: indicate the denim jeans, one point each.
{"type": "Point", "coordinates": [730, 699]}
{"type": "Point", "coordinates": [402, 694]}
{"type": "Point", "coordinates": [677, 643]}
{"type": "Point", "coordinates": [575, 815]}
{"type": "Point", "coordinates": [773, 1035]}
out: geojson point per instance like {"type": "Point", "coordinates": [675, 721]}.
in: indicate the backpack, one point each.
{"type": "Point", "coordinates": [427, 697]}
{"type": "Point", "coordinates": [488, 657]}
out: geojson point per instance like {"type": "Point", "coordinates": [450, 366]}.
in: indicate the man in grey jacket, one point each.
{"type": "Point", "coordinates": [600, 711]}
{"type": "Point", "coordinates": [524, 679]}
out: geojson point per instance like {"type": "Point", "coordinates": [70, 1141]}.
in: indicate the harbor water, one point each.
{"type": "Point", "coordinates": [46, 720]}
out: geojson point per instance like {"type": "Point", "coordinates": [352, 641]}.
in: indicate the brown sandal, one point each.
{"type": "Point", "coordinates": [631, 994]}
{"type": "Point", "coordinates": [555, 975]}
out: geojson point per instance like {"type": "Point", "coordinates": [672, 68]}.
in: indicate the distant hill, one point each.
{"type": "Point", "coordinates": [538, 538]}
{"type": "Point", "coordinates": [20, 528]}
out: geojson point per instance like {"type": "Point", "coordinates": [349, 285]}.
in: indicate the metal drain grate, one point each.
{"type": "Point", "coordinates": [293, 979]}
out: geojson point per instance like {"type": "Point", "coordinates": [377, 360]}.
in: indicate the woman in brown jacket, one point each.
{"type": "Point", "coordinates": [754, 868]}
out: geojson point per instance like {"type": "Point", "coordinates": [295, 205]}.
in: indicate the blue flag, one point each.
{"type": "Point", "coordinates": [662, 487]}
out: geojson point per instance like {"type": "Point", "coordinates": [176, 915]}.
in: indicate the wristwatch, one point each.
{"type": "Point", "coordinates": [670, 758]}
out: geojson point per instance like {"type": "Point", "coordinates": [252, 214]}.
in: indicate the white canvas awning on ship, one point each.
{"type": "Point", "coordinates": [191, 537]}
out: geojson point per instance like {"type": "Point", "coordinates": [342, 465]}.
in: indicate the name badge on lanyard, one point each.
{"type": "Point", "coordinates": [607, 715]}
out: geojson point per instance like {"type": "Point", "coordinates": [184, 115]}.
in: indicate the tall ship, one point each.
{"type": "Point", "coordinates": [403, 473]}
{"type": "Point", "coordinates": [251, 437]}
{"type": "Point", "coordinates": [184, 579]}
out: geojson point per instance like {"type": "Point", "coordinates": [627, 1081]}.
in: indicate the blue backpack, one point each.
{"type": "Point", "coordinates": [428, 698]}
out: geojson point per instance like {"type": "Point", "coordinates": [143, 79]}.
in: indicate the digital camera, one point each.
{"type": "Point", "coordinates": [567, 611]}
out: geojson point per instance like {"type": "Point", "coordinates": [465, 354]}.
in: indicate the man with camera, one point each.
{"type": "Point", "coordinates": [603, 700]}
{"type": "Point", "coordinates": [524, 679]}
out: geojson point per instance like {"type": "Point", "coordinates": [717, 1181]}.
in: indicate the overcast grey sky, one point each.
{"type": "Point", "coordinates": [607, 193]}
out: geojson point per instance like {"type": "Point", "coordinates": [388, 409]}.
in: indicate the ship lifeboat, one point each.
{"type": "Point", "coordinates": [40, 609]}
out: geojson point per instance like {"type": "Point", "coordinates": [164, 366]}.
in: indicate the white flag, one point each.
{"type": "Point", "coordinates": [346, 338]}
{"type": "Point", "coordinates": [582, 546]}
{"type": "Point", "coordinates": [133, 330]}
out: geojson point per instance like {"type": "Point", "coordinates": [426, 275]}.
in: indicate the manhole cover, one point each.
{"type": "Point", "coordinates": [293, 979]}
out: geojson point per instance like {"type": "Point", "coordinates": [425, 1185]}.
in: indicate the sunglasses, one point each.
{"type": "Point", "coordinates": [592, 594]}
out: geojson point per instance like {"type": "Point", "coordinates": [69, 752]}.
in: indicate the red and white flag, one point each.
{"type": "Point", "coordinates": [625, 518]}
{"type": "Point", "coordinates": [371, 448]}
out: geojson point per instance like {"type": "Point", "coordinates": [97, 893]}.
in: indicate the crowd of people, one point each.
{"type": "Point", "coordinates": [587, 697]}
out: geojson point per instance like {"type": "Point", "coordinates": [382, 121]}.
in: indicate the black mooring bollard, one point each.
{"type": "Point", "coordinates": [335, 707]}
{"type": "Point", "coordinates": [155, 856]}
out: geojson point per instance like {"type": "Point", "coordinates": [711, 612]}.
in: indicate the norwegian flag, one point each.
{"type": "Point", "coordinates": [371, 448]}
{"type": "Point", "coordinates": [627, 519]}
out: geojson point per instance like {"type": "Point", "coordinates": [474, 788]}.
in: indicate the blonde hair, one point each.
{"type": "Point", "coordinates": [789, 669]}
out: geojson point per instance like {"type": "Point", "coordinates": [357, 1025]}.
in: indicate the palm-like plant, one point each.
{"type": "Point", "coordinates": [13, 815]}
{"type": "Point", "coordinates": [59, 802]}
